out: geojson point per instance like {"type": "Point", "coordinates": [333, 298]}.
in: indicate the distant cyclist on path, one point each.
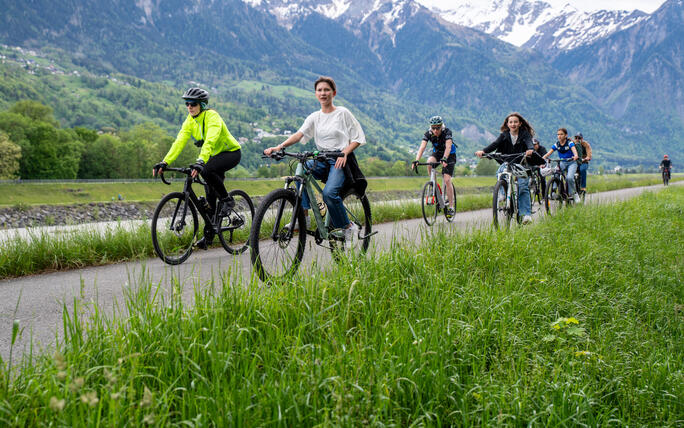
{"type": "Point", "coordinates": [568, 155]}
{"type": "Point", "coordinates": [444, 149]}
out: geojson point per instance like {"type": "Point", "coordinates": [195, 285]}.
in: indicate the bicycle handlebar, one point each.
{"type": "Point", "coordinates": [302, 156]}
{"type": "Point", "coordinates": [432, 164]}
{"type": "Point", "coordinates": [186, 171]}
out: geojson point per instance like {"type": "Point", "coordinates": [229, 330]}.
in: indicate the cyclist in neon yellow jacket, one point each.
{"type": "Point", "coordinates": [219, 152]}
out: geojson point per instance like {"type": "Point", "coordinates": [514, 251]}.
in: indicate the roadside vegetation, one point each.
{"type": "Point", "coordinates": [26, 194]}
{"type": "Point", "coordinates": [545, 325]}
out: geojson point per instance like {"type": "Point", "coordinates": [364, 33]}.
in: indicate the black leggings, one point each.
{"type": "Point", "coordinates": [215, 172]}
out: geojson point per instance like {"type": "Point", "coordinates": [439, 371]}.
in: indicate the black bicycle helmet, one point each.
{"type": "Point", "coordinates": [436, 120]}
{"type": "Point", "coordinates": [196, 94]}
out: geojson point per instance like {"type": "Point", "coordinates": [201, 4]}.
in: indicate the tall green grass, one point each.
{"type": "Point", "coordinates": [574, 321]}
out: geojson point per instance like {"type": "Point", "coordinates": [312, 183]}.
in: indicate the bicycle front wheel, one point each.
{"type": "Point", "coordinates": [502, 214]}
{"type": "Point", "coordinates": [429, 203]}
{"type": "Point", "coordinates": [174, 228]}
{"type": "Point", "coordinates": [554, 196]}
{"type": "Point", "coordinates": [277, 251]}
{"type": "Point", "coordinates": [234, 229]}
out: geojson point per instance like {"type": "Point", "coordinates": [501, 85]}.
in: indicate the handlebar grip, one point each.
{"type": "Point", "coordinates": [161, 176]}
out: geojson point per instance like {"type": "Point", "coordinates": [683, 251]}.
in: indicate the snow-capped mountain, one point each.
{"type": "Point", "coordinates": [387, 16]}
{"type": "Point", "coordinates": [536, 24]}
{"type": "Point", "coordinates": [532, 24]}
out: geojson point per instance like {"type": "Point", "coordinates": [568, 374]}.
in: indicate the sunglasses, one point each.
{"type": "Point", "coordinates": [436, 127]}
{"type": "Point", "coordinates": [191, 103]}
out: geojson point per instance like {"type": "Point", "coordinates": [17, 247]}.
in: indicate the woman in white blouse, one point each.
{"type": "Point", "coordinates": [332, 128]}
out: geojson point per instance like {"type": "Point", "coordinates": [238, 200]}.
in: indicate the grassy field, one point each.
{"type": "Point", "coordinates": [12, 194]}
{"type": "Point", "coordinates": [546, 325]}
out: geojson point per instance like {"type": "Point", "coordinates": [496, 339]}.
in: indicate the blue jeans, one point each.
{"type": "Point", "coordinates": [331, 191]}
{"type": "Point", "coordinates": [524, 203]}
{"type": "Point", "coordinates": [583, 175]}
{"type": "Point", "coordinates": [570, 168]}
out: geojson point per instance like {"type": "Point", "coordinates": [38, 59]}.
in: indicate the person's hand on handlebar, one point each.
{"type": "Point", "coordinates": [270, 150]}
{"type": "Point", "coordinates": [158, 168]}
{"type": "Point", "coordinates": [414, 164]}
{"type": "Point", "coordinates": [529, 152]}
{"type": "Point", "coordinates": [341, 161]}
{"type": "Point", "coordinates": [479, 153]}
{"type": "Point", "coordinates": [197, 168]}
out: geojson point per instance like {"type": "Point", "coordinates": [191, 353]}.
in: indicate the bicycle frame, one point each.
{"type": "Point", "coordinates": [307, 183]}
{"type": "Point", "coordinates": [190, 193]}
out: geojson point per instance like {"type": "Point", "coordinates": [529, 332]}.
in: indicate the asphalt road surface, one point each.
{"type": "Point", "coordinates": [38, 301]}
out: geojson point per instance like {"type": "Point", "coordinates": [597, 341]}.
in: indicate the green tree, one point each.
{"type": "Point", "coordinates": [486, 167]}
{"type": "Point", "coordinates": [10, 155]}
{"type": "Point", "coordinates": [103, 158]}
{"type": "Point", "coordinates": [143, 146]}
{"type": "Point", "coordinates": [35, 110]}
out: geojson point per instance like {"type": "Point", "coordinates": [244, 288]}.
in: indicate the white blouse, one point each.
{"type": "Point", "coordinates": [332, 131]}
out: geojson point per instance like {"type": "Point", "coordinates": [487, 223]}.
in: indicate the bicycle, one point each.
{"type": "Point", "coordinates": [505, 197]}
{"type": "Point", "coordinates": [536, 187]}
{"type": "Point", "coordinates": [432, 201]}
{"type": "Point", "coordinates": [175, 221]}
{"type": "Point", "coordinates": [280, 220]}
{"type": "Point", "coordinates": [557, 191]}
{"type": "Point", "coordinates": [666, 176]}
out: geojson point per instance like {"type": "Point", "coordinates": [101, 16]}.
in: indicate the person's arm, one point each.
{"type": "Point", "coordinates": [490, 148]}
{"type": "Point", "coordinates": [447, 151]}
{"type": "Point", "coordinates": [292, 139]}
{"type": "Point", "coordinates": [356, 137]}
{"type": "Point", "coordinates": [587, 151]}
{"type": "Point", "coordinates": [419, 155]}
{"type": "Point", "coordinates": [546, 156]}
{"type": "Point", "coordinates": [574, 152]}
{"type": "Point", "coordinates": [529, 144]}
{"type": "Point", "coordinates": [180, 142]}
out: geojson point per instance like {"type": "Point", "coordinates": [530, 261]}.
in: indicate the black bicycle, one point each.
{"type": "Point", "coordinates": [666, 176]}
{"type": "Point", "coordinates": [175, 221]}
{"type": "Point", "coordinates": [557, 192]}
{"type": "Point", "coordinates": [278, 236]}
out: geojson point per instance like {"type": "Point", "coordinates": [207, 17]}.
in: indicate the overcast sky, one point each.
{"type": "Point", "coordinates": [647, 6]}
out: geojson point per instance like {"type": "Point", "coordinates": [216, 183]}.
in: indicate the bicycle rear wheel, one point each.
{"type": "Point", "coordinates": [359, 213]}
{"type": "Point", "coordinates": [276, 251]}
{"type": "Point", "coordinates": [234, 229]}
{"type": "Point", "coordinates": [554, 196]}
{"type": "Point", "coordinates": [429, 203]}
{"type": "Point", "coordinates": [502, 214]}
{"type": "Point", "coordinates": [174, 228]}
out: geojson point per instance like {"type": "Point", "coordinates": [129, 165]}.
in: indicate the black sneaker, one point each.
{"type": "Point", "coordinates": [205, 242]}
{"type": "Point", "coordinates": [227, 205]}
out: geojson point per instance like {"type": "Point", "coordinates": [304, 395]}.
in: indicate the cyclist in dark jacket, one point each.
{"type": "Point", "coordinates": [516, 137]}
{"type": "Point", "coordinates": [444, 149]}
{"type": "Point", "coordinates": [666, 165]}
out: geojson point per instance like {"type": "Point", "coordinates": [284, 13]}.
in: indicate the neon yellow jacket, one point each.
{"type": "Point", "coordinates": [207, 126]}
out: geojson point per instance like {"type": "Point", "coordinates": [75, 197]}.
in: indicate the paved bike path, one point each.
{"type": "Point", "coordinates": [40, 299]}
